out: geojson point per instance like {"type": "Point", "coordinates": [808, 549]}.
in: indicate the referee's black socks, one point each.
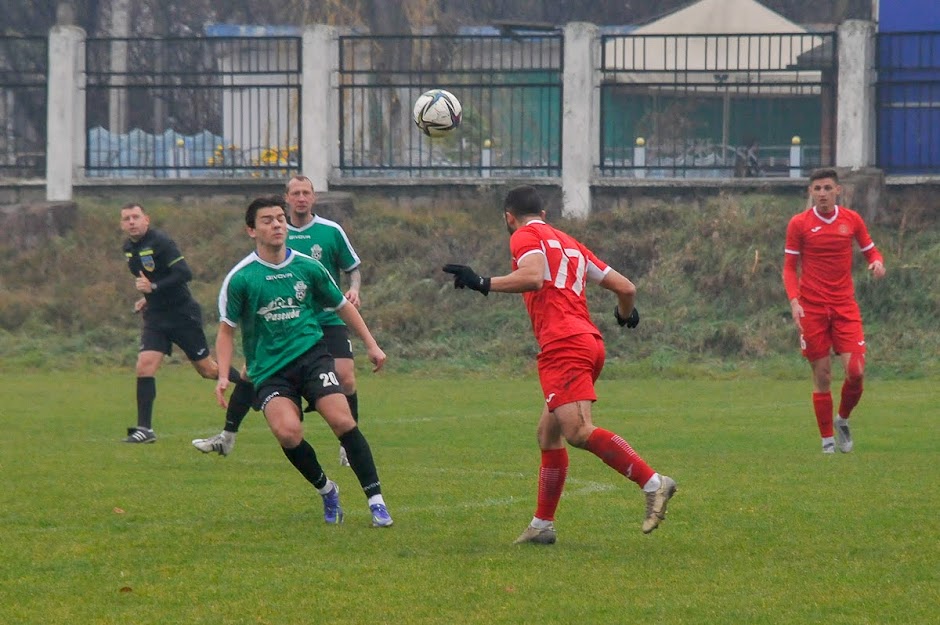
{"type": "Point", "coordinates": [146, 393]}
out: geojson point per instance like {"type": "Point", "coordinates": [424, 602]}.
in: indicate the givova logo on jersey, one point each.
{"type": "Point", "coordinates": [279, 309]}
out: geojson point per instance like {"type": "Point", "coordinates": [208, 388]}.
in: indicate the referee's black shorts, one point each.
{"type": "Point", "coordinates": [182, 327]}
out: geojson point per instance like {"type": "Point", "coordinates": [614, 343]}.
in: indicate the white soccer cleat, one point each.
{"type": "Point", "coordinates": [537, 535]}
{"type": "Point", "coordinates": [843, 435]}
{"type": "Point", "coordinates": [656, 503]}
{"type": "Point", "coordinates": [222, 443]}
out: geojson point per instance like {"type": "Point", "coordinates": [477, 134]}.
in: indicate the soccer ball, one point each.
{"type": "Point", "coordinates": [437, 112]}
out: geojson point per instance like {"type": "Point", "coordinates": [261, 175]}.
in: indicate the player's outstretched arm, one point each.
{"type": "Point", "coordinates": [224, 348]}
{"type": "Point", "coordinates": [354, 320]}
{"type": "Point", "coordinates": [529, 276]}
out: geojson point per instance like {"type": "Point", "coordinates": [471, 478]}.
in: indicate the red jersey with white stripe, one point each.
{"type": "Point", "coordinates": [822, 244]}
{"type": "Point", "coordinates": [559, 309]}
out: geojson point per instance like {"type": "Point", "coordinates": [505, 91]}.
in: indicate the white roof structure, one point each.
{"type": "Point", "coordinates": [721, 16]}
{"type": "Point", "coordinates": [712, 38]}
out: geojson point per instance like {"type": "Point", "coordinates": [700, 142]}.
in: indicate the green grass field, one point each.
{"type": "Point", "coordinates": [764, 529]}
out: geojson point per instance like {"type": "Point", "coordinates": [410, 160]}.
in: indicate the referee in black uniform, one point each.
{"type": "Point", "coordinates": [170, 315]}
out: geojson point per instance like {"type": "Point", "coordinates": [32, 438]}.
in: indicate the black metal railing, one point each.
{"type": "Point", "coordinates": [712, 106]}
{"type": "Point", "coordinates": [908, 102]}
{"type": "Point", "coordinates": [24, 66]}
{"type": "Point", "coordinates": [509, 87]}
{"type": "Point", "coordinates": [193, 107]}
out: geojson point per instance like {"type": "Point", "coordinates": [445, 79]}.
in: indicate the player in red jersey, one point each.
{"type": "Point", "coordinates": [551, 269]}
{"type": "Point", "coordinates": [817, 274]}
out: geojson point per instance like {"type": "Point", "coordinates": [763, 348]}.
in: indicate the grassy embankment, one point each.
{"type": "Point", "coordinates": [710, 294]}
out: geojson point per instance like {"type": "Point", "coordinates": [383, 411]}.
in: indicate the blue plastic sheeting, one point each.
{"type": "Point", "coordinates": [138, 154]}
{"type": "Point", "coordinates": [247, 30]}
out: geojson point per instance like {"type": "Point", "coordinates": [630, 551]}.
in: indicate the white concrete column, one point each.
{"type": "Point", "coordinates": [320, 128]}
{"type": "Point", "coordinates": [579, 138]}
{"type": "Point", "coordinates": [855, 112]}
{"type": "Point", "coordinates": [117, 96]}
{"type": "Point", "coordinates": [65, 114]}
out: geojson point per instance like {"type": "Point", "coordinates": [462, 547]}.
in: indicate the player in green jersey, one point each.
{"type": "Point", "coordinates": [325, 241]}
{"type": "Point", "coordinates": [275, 295]}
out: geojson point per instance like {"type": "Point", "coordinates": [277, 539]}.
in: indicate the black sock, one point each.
{"type": "Point", "coordinates": [146, 393]}
{"type": "Point", "coordinates": [238, 405]}
{"type": "Point", "coordinates": [361, 462]}
{"type": "Point", "coordinates": [304, 460]}
{"type": "Point", "coordinates": [354, 405]}
{"type": "Point", "coordinates": [234, 376]}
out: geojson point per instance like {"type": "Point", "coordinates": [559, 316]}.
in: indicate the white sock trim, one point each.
{"type": "Point", "coordinates": [653, 484]}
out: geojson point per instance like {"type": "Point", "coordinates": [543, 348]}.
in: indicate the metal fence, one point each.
{"type": "Point", "coordinates": [711, 106]}
{"type": "Point", "coordinates": [510, 89]}
{"type": "Point", "coordinates": [908, 102]}
{"type": "Point", "coordinates": [188, 107]}
{"type": "Point", "coordinates": [24, 65]}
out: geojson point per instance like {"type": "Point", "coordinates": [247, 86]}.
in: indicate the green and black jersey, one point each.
{"type": "Point", "coordinates": [276, 307]}
{"type": "Point", "coordinates": [325, 241]}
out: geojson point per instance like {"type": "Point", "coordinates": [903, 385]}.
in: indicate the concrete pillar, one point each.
{"type": "Point", "coordinates": [117, 96]}
{"type": "Point", "coordinates": [579, 138]}
{"type": "Point", "coordinates": [319, 97]}
{"type": "Point", "coordinates": [65, 115]}
{"type": "Point", "coordinates": [855, 112]}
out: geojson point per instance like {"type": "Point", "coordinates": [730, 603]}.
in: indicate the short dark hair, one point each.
{"type": "Point", "coordinates": [263, 202]}
{"type": "Point", "coordinates": [826, 172]}
{"type": "Point", "coordinates": [130, 205]}
{"type": "Point", "coordinates": [523, 200]}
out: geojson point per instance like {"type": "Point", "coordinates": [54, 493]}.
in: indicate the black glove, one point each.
{"type": "Point", "coordinates": [631, 322]}
{"type": "Point", "coordinates": [465, 277]}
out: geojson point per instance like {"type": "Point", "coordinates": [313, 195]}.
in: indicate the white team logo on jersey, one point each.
{"type": "Point", "coordinates": [300, 290]}
{"type": "Point", "coordinates": [316, 252]}
{"type": "Point", "coordinates": [280, 309]}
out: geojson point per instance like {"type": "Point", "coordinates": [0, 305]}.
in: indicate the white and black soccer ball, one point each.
{"type": "Point", "coordinates": [437, 112]}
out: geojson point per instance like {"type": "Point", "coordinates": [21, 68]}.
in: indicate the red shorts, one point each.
{"type": "Point", "coordinates": [568, 369]}
{"type": "Point", "coordinates": [835, 328]}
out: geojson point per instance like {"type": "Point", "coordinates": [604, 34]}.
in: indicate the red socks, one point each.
{"type": "Point", "coordinates": [552, 476]}
{"type": "Point", "coordinates": [822, 405]}
{"type": "Point", "coordinates": [851, 393]}
{"type": "Point", "coordinates": [617, 454]}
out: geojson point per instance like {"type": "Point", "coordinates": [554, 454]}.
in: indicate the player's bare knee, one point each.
{"type": "Point", "coordinates": [208, 370]}
{"type": "Point", "coordinates": [340, 423]}
{"type": "Point", "coordinates": [579, 437]}
{"type": "Point", "coordinates": [855, 369]}
{"type": "Point", "coordinates": [288, 435]}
